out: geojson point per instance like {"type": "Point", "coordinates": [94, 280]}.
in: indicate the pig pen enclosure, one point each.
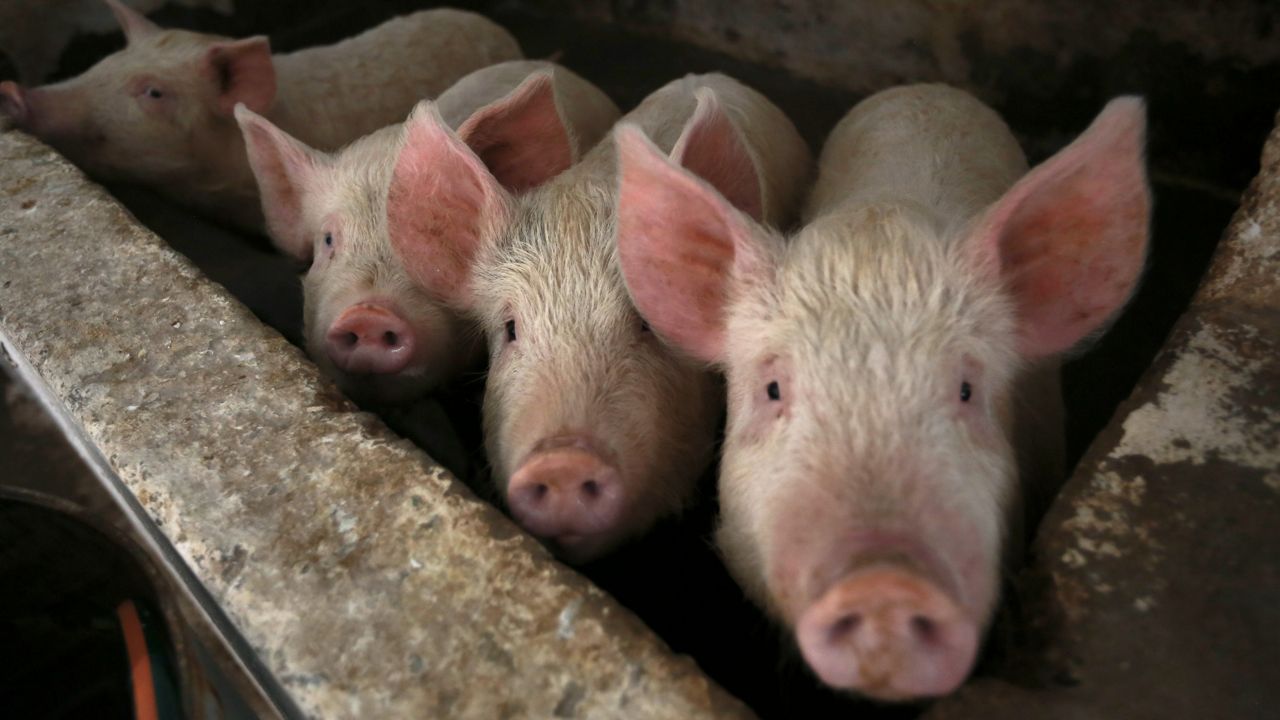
{"type": "Point", "coordinates": [309, 561]}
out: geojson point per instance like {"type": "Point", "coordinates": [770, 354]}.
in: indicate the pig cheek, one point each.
{"type": "Point", "coordinates": [752, 486]}
{"type": "Point", "coordinates": [497, 409]}
{"type": "Point", "coordinates": [969, 546]}
{"type": "Point", "coordinates": [441, 345]}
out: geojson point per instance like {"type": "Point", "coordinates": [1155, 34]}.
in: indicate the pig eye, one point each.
{"type": "Point", "coordinates": [644, 326]}
{"type": "Point", "coordinates": [153, 93]}
{"type": "Point", "coordinates": [511, 331]}
{"type": "Point", "coordinates": [774, 391]}
{"type": "Point", "coordinates": [966, 391]}
{"type": "Point", "coordinates": [328, 240]}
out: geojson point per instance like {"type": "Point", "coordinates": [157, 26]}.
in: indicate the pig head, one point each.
{"type": "Point", "coordinates": [378, 328]}
{"type": "Point", "coordinates": [892, 367]}
{"type": "Point", "coordinates": [594, 428]}
{"type": "Point", "coordinates": [156, 111]}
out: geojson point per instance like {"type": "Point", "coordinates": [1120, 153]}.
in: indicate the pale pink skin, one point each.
{"type": "Point", "coordinates": [370, 324]}
{"type": "Point", "coordinates": [594, 429]}
{"type": "Point", "coordinates": [892, 368]}
{"type": "Point", "coordinates": [160, 112]}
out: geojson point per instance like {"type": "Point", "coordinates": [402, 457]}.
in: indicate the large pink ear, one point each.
{"type": "Point", "coordinates": [285, 169]}
{"type": "Point", "coordinates": [522, 138]}
{"type": "Point", "coordinates": [243, 73]}
{"type": "Point", "coordinates": [133, 24]}
{"type": "Point", "coordinates": [1070, 238]}
{"type": "Point", "coordinates": [711, 147]}
{"type": "Point", "coordinates": [682, 247]}
{"type": "Point", "coordinates": [441, 205]}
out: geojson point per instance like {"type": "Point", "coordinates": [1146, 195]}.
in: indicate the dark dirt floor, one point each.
{"type": "Point", "coordinates": [673, 579]}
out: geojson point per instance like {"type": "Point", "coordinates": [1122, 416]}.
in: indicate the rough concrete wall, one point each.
{"type": "Point", "coordinates": [1152, 593]}
{"type": "Point", "coordinates": [366, 580]}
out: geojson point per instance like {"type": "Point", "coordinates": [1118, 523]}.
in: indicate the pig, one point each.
{"type": "Point", "coordinates": [159, 112]}
{"type": "Point", "coordinates": [367, 323]}
{"type": "Point", "coordinates": [892, 368]}
{"type": "Point", "coordinates": [593, 429]}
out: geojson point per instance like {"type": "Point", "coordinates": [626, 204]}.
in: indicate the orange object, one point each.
{"type": "Point", "coordinates": [135, 642]}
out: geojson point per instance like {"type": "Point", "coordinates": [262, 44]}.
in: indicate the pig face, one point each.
{"type": "Point", "coordinates": [380, 330]}
{"type": "Point", "coordinates": [367, 324]}
{"type": "Point", "coordinates": [594, 429]}
{"type": "Point", "coordinates": [872, 363]}
{"type": "Point", "coordinates": [152, 111]}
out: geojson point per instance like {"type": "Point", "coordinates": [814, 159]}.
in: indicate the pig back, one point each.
{"type": "Point", "coordinates": [332, 94]}
{"type": "Point", "coordinates": [586, 110]}
{"type": "Point", "coordinates": [929, 146]}
{"type": "Point", "coordinates": [779, 154]}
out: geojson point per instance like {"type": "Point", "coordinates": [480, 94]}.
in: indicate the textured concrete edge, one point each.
{"type": "Point", "coordinates": [605, 661]}
{"type": "Point", "coordinates": [195, 603]}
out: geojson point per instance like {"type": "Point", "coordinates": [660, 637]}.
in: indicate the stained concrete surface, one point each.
{"type": "Point", "coordinates": [365, 578]}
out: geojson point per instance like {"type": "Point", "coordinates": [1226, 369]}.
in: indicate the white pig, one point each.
{"type": "Point", "coordinates": [159, 112]}
{"type": "Point", "coordinates": [594, 430]}
{"type": "Point", "coordinates": [367, 324]}
{"type": "Point", "coordinates": [892, 369]}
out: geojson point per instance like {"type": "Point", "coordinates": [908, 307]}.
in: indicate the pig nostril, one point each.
{"type": "Point", "coordinates": [591, 489]}
{"type": "Point", "coordinates": [843, 627]}
{"type": "Point", "coordinates": [390, 339]}
{"type": "Point", "coordinates": [924, 628]}
{"type": "Point", "coordinates": [540, 492]}
{"type": "Point", "coordinates": [349, 339]}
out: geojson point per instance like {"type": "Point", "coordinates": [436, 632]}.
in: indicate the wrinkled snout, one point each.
{"type": "Point", "coordinates": [13, 103]}
{"type": "Point", "coordinates": [369, 339]}
{"type": "Point", "coordinates": [567, 492]}
{"type": "Point", "coordinates": [890, 634]}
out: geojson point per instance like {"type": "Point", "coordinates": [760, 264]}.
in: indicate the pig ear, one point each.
{"type": "Point", "coordinates": [133, 24]}
{"type": "Point", "coordinates": [285, 169]}
{"type": "Point", "coordinates": [682, 247]}
{"type": "Point", "coordinates": [711, 147]}
{"type": "Point", "coordinates": [242, 72]}
{"type": "Point", "coordinates": [1070, 237]}
{"type": "Point", "coordinates": [521, 138]}
{"type": "Point", "coordinates": [440, 206]}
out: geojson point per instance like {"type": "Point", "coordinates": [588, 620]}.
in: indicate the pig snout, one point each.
{"type": "Point", "coordinates": [370, 339]}
{"type": "Point", "coordinates": [889, 633]}
{"type": "Point", "coordinates": [567, 491]}
{"type": "Point", "coordinates": [13, 103]}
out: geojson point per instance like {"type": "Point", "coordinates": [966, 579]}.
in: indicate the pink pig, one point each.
{"type": "Point", "coordinates": [367, 324]}
{"type": "Point", "coordinates": [892, 369]}
{"type": "Point", "coordinates": [594, 429]}
{"type": "Point", "coordinates": [159, 112]}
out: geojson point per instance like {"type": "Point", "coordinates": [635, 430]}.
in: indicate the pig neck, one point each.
{"type": "Point", "coordinates": [593, 180]}
{"type": "Point", "coordinates": [295, 110]}
{"type": "Point", "coordinates": [308, 108]}
{"type": "Point", "coordinates": [569, 221]}
{"type": "Point", "coordinates": [927, 148]}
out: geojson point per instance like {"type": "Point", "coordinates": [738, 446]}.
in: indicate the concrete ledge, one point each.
{"type": "Point", "coordinates": [367, 581]}
{"type": "Point", "coordinates": [1153, 588]}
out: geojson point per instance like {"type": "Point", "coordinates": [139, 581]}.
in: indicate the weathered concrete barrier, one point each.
{"type": "Point", "coordinates": [366, 581]}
